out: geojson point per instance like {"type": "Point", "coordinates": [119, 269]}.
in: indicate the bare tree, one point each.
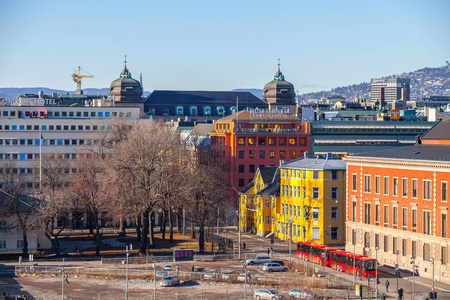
{"type": "Point", "coordinates": [87, 189]}
{"type": "Point", "coordinates": [139, 158]}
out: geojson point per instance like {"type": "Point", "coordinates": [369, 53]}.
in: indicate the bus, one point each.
{"type": "Point", "coordinates": [343, 262]}
{"type": "Point", "coordinates": [313, 252]}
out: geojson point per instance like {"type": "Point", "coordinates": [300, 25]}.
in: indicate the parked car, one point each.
{"type": "Point", "coordinates": [241, 277]}
{"type": "Point", "coordinates": [161, 273]}
{"type": "Point", "coordinates": [168, 267]}
{"type": "Point", "coordinates": [267, 294]}
{"type": "Point", "coordinates": [257, 260]}
{"type": "Point", "coordinates": [274, 267]}
{"type": "Point", "coordinates": [170, 281]}
{"type": "Point", "coordinates": [277, 262]}
{"type": "Point", "coordinates": [210, 274]}
{"type": "Point", "coordinates": [229, 274]}
{"type": "Point", "coordinates": [199, 270]}
{"type": "Point", "coordinates": [301, 294]}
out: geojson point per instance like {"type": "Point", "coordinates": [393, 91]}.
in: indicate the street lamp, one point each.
{"type": "Point", "coordinates": [63, 279]}
{"type": "Point", "coordinates": [354, 254]}
{"type": "Point", "coordinates": [126, 289]}
{"type": "Point", "coordinates": [154, 279]}
{"type": "Point", "coordinates": [239, 220]}
{"type": "Point", "coordinates": [397, 272]}
{"type": "Point", "coordinates": [245, 280]}
{"type": "Point", "coordinates": [432, 288]}
{"type": "Point", "coordinates": [290, 237]}
{"type": "Point", "coordinates": [376, 272]}
{"type": "Point", "coordinates": [413, 262]}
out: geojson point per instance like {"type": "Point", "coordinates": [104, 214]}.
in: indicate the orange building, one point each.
{"type": "Point", "coordinates": [252, 138]}
{"type": "Point", "coordinates": [397, 204]}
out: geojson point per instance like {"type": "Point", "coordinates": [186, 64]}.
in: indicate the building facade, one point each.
{"type": "Point", "coordinates": [302, 200]}
{"type": "Point", "coordinates": [249, 139]}
{"type": "Point", "coordinates": [397, 207]}
{"type": "Point", "coordinates": [387, 90]}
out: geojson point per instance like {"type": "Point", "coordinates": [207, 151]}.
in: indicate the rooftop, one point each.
{"type": "Point", "coordinates": [412, 153]}
{"type": "Point", "coordinates": [316, 164]}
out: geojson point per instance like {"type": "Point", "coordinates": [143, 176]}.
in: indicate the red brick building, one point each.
{"type": "Point", "coordinates": [397, 200]}
{"type": "Point", "coordinates": [246, 140]}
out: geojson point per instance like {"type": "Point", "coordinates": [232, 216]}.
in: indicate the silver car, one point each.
{"type": "Point", "coordinates": [274, 267]}
{"type": "Point", "coordinates": [170, 281]}
{"type": "Point", "coordinates": [301, 294]}
{"type": "Point", "coordinates": [210, 274]}
{"type": "Point", "coordinates": [161, 273]}
{"type": "Point", "coordinates": [257, 260]}
{"type": "Point", "coordinates": [267, 294]}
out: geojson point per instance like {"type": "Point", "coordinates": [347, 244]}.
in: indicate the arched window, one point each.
{"type": "Point", "coordinates": [220, 110]}
{"type": "Point", "coordinates": [207, 110]}
{"type": "Point", "coordinates": [180, 110]}
{"type": "Point", "coordinates": [193, 110]}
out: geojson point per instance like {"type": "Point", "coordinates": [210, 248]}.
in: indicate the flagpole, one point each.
{"type": "Point", "coordinates": [40, 160]}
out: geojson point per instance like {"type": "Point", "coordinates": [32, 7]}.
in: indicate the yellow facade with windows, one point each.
{"type": "Point", "coordinates": [304, 199]}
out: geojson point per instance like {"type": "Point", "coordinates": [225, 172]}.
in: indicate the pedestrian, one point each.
{"type": "Point", "coordinates": [268, 251]}
{"type": "Point", "coordinates": [387, 285]}
{"type": "Point", "coordinates": [243, 246]}
{"type": "Point", "coordinates": [400, 294]}
{"type": "Point", "coordinates": [193, 268]}
{"type": "Point", "coordinates": [178, 269]}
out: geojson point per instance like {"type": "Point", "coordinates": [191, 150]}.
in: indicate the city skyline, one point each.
{"type": "Point", "coordinates": [203, 45]}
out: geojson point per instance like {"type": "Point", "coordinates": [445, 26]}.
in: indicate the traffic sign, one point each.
{"type": "Point", "coordinates": [396, 267]}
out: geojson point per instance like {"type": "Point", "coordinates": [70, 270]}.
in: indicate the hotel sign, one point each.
{"type": "Point", "coordinates": [269, 113]}
{"type": "Point", "coordinates": [27, 101]}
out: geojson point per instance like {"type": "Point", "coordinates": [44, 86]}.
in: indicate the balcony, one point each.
{"type": "Point", "coordinates": [269, 130]}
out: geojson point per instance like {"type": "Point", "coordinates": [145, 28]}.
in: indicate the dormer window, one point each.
{"type": "Point", "coordinates": [220, 110]}
{"type": "Point", "coordinates": [193, 110]}
{"type": "Point", "coordinates": [207, 110]}
{"type": "Point", "coordinates": [180, 110]}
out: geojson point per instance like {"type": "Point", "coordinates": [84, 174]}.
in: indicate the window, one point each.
{"type": "Point", "coordinates": [282, 154]}
{"type": "Point", "coordinates": [272, 154]}
{"type": "Point", "coordinates": [426, 222]}
{"type": "Point", "coordinates": [427, 189]}
{"type": "Point", "coordinates": [19, 244]}
{"type": "Point", "coordinates": [444, 225]}
{"type": "Point", "coordinates": [405, 187]}
{"type": "Point", "coordinates": [251, 168]}
{"type": "Point", "coordinates": [404, 247]}
{"type": "Point", "coordinates": [266, 220]}
{"type": "Point", "coordinates": [282, 208]}
{"type": "Point", "coordinates": [251, 141]}
{"type": "Point", "coordinates": [304, 192]}
{"type": "Point", "coordinates": [241, 141]}
{"type": "Point", "coordinates": [377, 214]}
{"type": "Point", "coordinates": [251, 154]}
{"type": "Point", "coordinates": [386, 216]}
{"type": "Point", "coordinates": [241, 168]}
{"type": "Point", "coordinates": [262, 154]}
{"type": "Point", "coordinates": [261, 141]}
{"type": "Point", "coordinates": [241, 181]}
{"type": "Point", "coordinates": [386, 185]}
{"type": "Point", "coordinates": [443, 191]}
{"type": "Point", "coordinates": [316, 213]}
{"type": "Point", "coordinates": [292, 141]}
{"type": "Point", "coordinates": [404, 218]}
{"type": "Point", "coordinates": [414, 188]}
{"type": "Point", "coordinates": [395, 217]}
{"type": "Point", "coordinates": [334, 193]}
{"type": "Point", "coordinates": [315, 174]}
{"type": "Point", "coordinates": [241, 153]}
{"type": "Point", "coordinates": [395, 186]}
{"type": "Point", "coordinates": [414, 249]}
{"type": "Point", "coordinates": [394, 245]}
{"type": "Point", "coordinates": [315, 193]}
{"type": "Point", "coordinates": [271, 141]}
{"type": "Point", "coordinates": [3, 244]}
{"type": "Point", "coordinates": [377, 184]}
{"type": "Point", "coordinates": [366, 213]}
{"type": "Point", "coordinates": [353, 237]}
{"type": "Point", "coordinates": [334, 233]}
{"type": "Point", "coordinates": [290, 210]}
{"type": "Point", "coordinates": [334, 213]}
{"type": "Point", "coordinates": [292, 154]}
{"type": "Point", "coordinates": [377, 240]}
{"type": "Point", "coordinates": [414, 220]}
{"type": "Point", "coordinates": [367, 239]}
{"type": "Point", "coordinates": [354, 211]}
{"type": "Point", "coordinates": [315, 234]}
{"type": "Point", "coordinates": [367, 183]}
{"type": "Point", "coordinates": [386, 244]}
{"type": "Point", "coordinates": [334, 175]}
{"type": "Point", "coordinates": [426, 252]}
{"type": "Point", "coordinates": [282, 141]}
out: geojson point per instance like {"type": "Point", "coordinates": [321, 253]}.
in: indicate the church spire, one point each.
{"type": "Point", "coordinates": [279, 75]}
{"type": "Point", "coordinates": [125, 72]}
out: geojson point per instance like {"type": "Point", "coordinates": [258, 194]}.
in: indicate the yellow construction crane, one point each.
{"type": "Point", "coordinates": [77, 78]}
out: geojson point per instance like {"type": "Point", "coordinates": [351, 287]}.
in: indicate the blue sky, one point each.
{"type": "Point", "coordinates": [219, 45]}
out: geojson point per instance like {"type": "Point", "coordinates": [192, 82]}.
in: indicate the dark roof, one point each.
{"type": "Point", "coordinates": [412, 153]}
{"type": "Point", "coordinates": [204, 97]}
{"type": "Point", "coordinates": [267, 174]}
{"type": "Point", "coordinates": [248, 187]}
{"type": "Point", "coordinates": [440, 131]}
{"type": "Point", "coordinates": [203, 129]}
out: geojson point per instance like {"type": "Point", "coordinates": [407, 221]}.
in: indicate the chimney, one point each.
{"type": "Point", "coordinates": [305, 155]}
{"type": "Point", "coordinates": [282, 162]}
{"type": "Point", "coordinates": [329, 155]}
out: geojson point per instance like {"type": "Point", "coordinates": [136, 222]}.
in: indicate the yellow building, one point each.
{"type": "Point", "coordinates": [304, 198]}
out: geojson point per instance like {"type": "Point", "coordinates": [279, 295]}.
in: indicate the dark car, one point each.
{"type": "Point", "coordinates": [277, 262]}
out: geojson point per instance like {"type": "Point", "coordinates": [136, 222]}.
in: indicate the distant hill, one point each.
{"type": "Point", "coordinates": [16, 92]}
